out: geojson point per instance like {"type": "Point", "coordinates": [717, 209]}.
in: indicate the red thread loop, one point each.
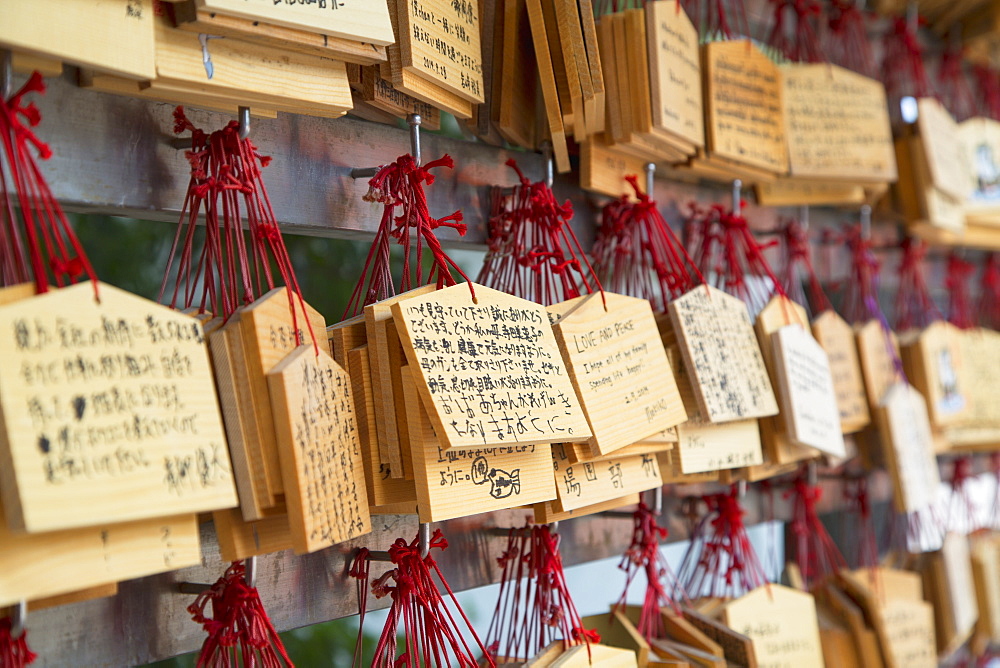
{"type": "Point", "coordinates": [14, 652]}
{"type": "Point", "coordinates": [643, 555]}
{"type": "Point", "coordinates": [804, 45]}
{"type": "Point", "coordinates": [859, 525]}
{"type": "Point", "coordinates": [957, 277]}
{"type": "Point", "coordinates": [988, 305]}
{"type": "Point", "coordinates": [533, 252]}
{"type": "Point", "coordinates": [35, 236]}
{"type": "Point", "coordinates": [534, 607]}
{"type": "Point", "coordinates": [399, 188]}
{"type": "Point", "coordinates": [816, 554]}
{"type": "Point", "coordinates": [903, 65]}
{"type": "Point", "coordinates": [988, 82]}
{"type": "Point", "coordinates": [239, 630]}
{"type": "Point", "coordinates": [914, 306]}
{"type": "Point", "coordinates": [847, 40]}
{"type": "Point", "coordinates": [953, 85]}
{"type": "Point", "coordinates": [798, 261]}
{"type": "Point", "coordinates": [636, 253]}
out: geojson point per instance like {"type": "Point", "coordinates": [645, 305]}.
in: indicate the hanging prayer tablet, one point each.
{"type": "Point", "coordinates": [613, 352]}
{"type": "Point", "coordinates": [806, 391]}
{"type": "Point", "coordinates": [109, 412]}
{"type": "Point", "coordinates": [675, 72]}
{"type": "Point", "coordinates": [587, 483]}
{"type": "Point", "coordinates": [950, 588]}
{"type": "Point", "coordinates": [909, 448]}
{"type": "Point", "coordinates": [782, 624]}
{"type": "Point", "coordinates": [934, 364]}
{"type": "Point", "coordinates": [239, 539]}
{"type": "Point", "coordinates": [943, 149]}
{"type": "Point", "coordinates": [359, 20]}
{"type": "Point", "coordinates": [876, 349]}
{"type": "Point", "coordinates": [721, 355]}
{"type": "Point", "coordinates": [837, 338]}
{"type": "Point", "coordinates": [453, 484]}
{"type": "Point", "coordinates": [488, 369]}
{"type": "Point", "coordinates": [712, 447]}
{"type": "Point", "coordinates": [319, 450]}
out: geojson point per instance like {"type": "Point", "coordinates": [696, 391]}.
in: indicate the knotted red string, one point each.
{"type": "Point", "coordinates": [803, 45]}
{"type": "Point", "coordinates": [431, 636]}
{"type": "Point", "coordinates": [399, 188]}
{"type": "Point", "coordinates": [716, 19]}
{"type": "Point", "coordinates": [239, 630]}
{"type": "Point", "coordinates": [847, 39]}
{"type": "Point", "coordinates": [534, 607]}
{"type": "Point", "coordinates": [956, 279]}
{"type": "Point", "coordinates": [816, 554]}
{"type": "Point", "coordinates": [988, 82]}
{"type": "Point", "coordinates": [988, 306]}
{"type": "Point", "coordinates": [859, 527]}
{"type": "Point", "coordinates": [720, 561]}
{"type": "Point", "coordinates": [226, 185]}
{"type": "Point", "coordinates": [914, 306]}
{"type": "Point", "coordinates": [36, 240]}
{"type": "Point", "coordinates": [953, 85]}
{"type": "Point", "coordinates": [798, 266]}
{"type": "Point", "coordinates": [14, 652]}
{"type": "Point", "coordinates": [643, 555]}
{"type": "Point", "coordinates": [860, 303]}
{"type": "Point", "coordinates": [533, 252]}
{"type": "Point", "coordinates": [637, 254]}
{"type": "Point", "coordinates": [902, 64]}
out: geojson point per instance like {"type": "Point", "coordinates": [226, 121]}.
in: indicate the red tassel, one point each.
{"type": "Point", "coordinates": [534, 607]}
{"type": "Point", "coordinates": [637, 254]}
{"type": "Point", "coordinates": [988, 305]}
{"type": "Point", "coordinates": [956, 280]}
{"type": "Point", "coordinates": [533, 252]}
{"type": "Point", "coordinates": [816, 555]}
{"type": "Point", "coordinates": [798, 261]}
{"type": "Point", "coordinates": [859, 525]}
{"type": "Point", "coordinates": [903, 65]}
{"type": "Point", "coordinates": [953, 85]}
{"type": "Point", "coordinates": [914, 306]}
{"type": "Point", "coordinates": [399, 187]}
{"type": "Point", "coordinates": [643, 555]}
{"type": "Point", "coordinates": [847, 42]}
{"type": "Point", "coordinates": [239, 630]}
{"type": "Point", "coordinates": [804, 45]}
{"type": "Point", "coordinates": [14, 652]}
{"type": "Point", "coordinates": [860, 302]}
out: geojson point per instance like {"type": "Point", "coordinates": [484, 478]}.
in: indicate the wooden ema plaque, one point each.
{"type": "Point", "coordinates": [617, 630]}
{"type": "Point", "coordinates": [943, 149]}
{"type": "Point", "coordinates": [518, 89]}
{"type": "Point", "coordinates": [876, 347]}
{"type": "Point", "coordinates": [736, 648]}
{"type": "Point", "coordinates": [904, 623]}
{"type": "Point", "coordinates": [439, 41]}
{"type": "Point", "coordinates": [850, 613]}
{"type": "Point", "coordinates": [319, 450]}
{"type": "Point", "coordinates": [802, 192]}
{"type": "Point", "coordinates": [549, 85]}
{"type": "Point", "coordinates": [743, 106]}
{"type": "Point", "coordinates": [348, 19]}
{"type": "Point", "coordinates": [603, 168]}
{"type": "Point", "coordinates": [985, 555]}
{"type": "Point", "coordinates": [239, 539]}
{"type": "Point", "coordinates": [713, 447]}
{"type": "Point", "coordinates": [837, 124]}
{"type": "Point", "coordinates": [613, 353]}
{"type": "Point", "coordinates": [103, 402]}
{"type": "Point", "coordinates": [934, 364]}
{"type": "Point", "coordinates": [269, 335]}
{"type": "Point", "coordinates": [250, 73]}
{"type": "Point", "coordinates": [981, 139]}
{"type": "Point", "coordinates": [114, 36]}
{"type": "Point", "coordinates": [489, 372]}
{"type": "Point", "coordinates": [57, 562]}
{"type": "Point", "coordinates": [837, 338]}
{"type": "Point", "coordinates": [675, 72]}
{"type": "Point", "coordinates": [782, 624]}
{"type": "Point", "coordinates": [908, 448]}
{"type": "Point", "coordinates": [382, 488]}
{"type": "Point", "coordinates": [806, 390]}
{"type": "Point", "coordinates": [457, 483]}
{"type": "Point", "coordinates": [546, 513]}
{"type": "Point", "coordinates": [721, 355]}
{"type": "Point", "coordinates": [381, 94]}
{"type": "Point", "coordinates": [951, 589]}
{"type": "Point", "coordinates": [588, 483]}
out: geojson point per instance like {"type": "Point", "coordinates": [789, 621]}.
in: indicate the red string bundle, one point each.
{"type": "Point", "coordinates": [988, 306]}
{"type": "Point", "coordinates": [803, 46]}
{"type": "Point", "coordinates": [847, 38]}
{"type": "Point", "coordinates": [721, 562]}
{"type": "Point", "coordinates": [914, 306]}
{"type": "Point", "coordinates": [399, 188]}
{"type": "Point", "coordinates": [717, 19]}
{"type": "Point", "coordinates": [431, 636]}
{"type": "Point", "coordinates": [37, 243]}
{"type": "Point", "coordinates": [816, 555]}
{"type": "Point", "coordinates": [14, 652]}
{"type": "Point", "coordinates": [637, 254]}
{"type": "Point", "coordinates": [859, 526]}
{"type": "Point", "coordinates": [643, 555]}
{"type": "Point", "coordinates": [533, 252]}
{"type": "Point", "coordinates": [953, 85]}
{"type": "Point", "coordinates": [902, 64]}
{"type": "Point", "coordinates": [534, 607]}
{"type": "Point", "coordinates": [797, 266]}
{"type": "Point", "coordinates": [956, 280]}
{"type": "Point", "coordinates": [860, 303]}
{"type": "Point", "coordinates": [239, 630]}
{"type": "Point", "coordinates": [988, 82]}
{"type": "Point", "coordinates": [227, 186]}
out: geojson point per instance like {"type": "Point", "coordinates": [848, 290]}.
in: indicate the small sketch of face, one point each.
{"type": "Point", "coordinates": [502, 483]}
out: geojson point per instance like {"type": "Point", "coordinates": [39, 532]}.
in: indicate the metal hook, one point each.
{"type": "Point", "coordinates": [741, 489]}
{"type": "Point", "coordinates": [6, 74]}
{"type": "Point", "coordinates": [866, 222]}
{"type": "Point", "coordinates": [423, 543]}
{"type": "Point", "coordinates": [658, 501]}
{"type": "Point", "coordinates": [549, 167]}
{"type": "Point", "coordinates": [18, 618]}
{"type": "Point", "coordinates": [804, 217]}
{"type": "Point", "coordinates": [812, 473]}
{"type": "Point", "coordinates": [737, 200]}
{"type": "Point", "coordinates": [243, 131]}
{"type": "Point", "coordinates": [650, 172]}
{"type": "Point", "coordinates": [250, 572]}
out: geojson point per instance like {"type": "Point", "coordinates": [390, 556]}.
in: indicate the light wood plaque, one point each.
{"type": "Point", "coordinates": [675, 72]}
{"type": "Point", "coordinates": [782, 624]}
{"type": "Point", "coordinates": [103, 402]}
{"type": "Point", "coordinates": [588, 483]}
{"type": "Point", "coordinates": [837, 338]}
{"type": "Point", "coordinates": [360, 20]}
{"type": "Point", "coordinates": [909, 448]}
